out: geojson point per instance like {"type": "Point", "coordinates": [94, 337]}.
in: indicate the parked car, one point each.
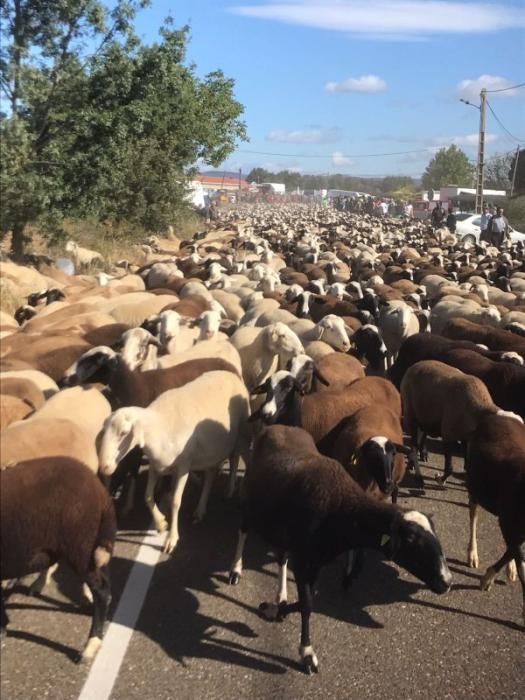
{"type": "Point", "coordinates": [468, 229]}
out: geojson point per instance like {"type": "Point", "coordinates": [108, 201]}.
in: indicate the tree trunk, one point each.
{"type": "Point", "coordinates": [18, 241]}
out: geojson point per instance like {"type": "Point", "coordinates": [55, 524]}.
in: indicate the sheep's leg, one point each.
{"type": "Point", "coordinates": [520, 564]}
{"type": "Point", "coordinates": [306, 650]}
{"type": "Point", "coordinates": [490, 575]}
{"type": "Point", "coordinates": [42, 580]}
{"type": "Point", "coordinates": [234, 466]}
{"type": "Point", "coordinates": [236, 568]}
{"type": "Point", "coordinates": [422, 446]}
{"type": "Point", "coordinates": [447, 449]}
{"type": "Point", "coordinates": [160, 521]}
{"type": "Point", "coordinates": [354, 565]}
{"type": "Point", "coordinates": [179, 484]}
{"type": "Point", "coordinates": [473, 559]}
{"type": "Point", "coordinates": [99, 586]}
{"type": "Point", "coordinates": [412, 461]}
{"type": "Point", "coordinates": [200, 511]}
{"type": "Point", "coordinates": [277, 611]}
{"type": "Point", "coordinates": [4, 620]}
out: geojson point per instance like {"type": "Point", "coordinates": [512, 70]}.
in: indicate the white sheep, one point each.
{"type": "Point", "coordinates": [192, 428]}
{"type": "Point", "coordinates": [331, 330]}
{"type": "Point", "coordinates": [205, 348]}
{"type": "Point", "coordinates": [82, 257]}
{"type": "Point", "coordinates": [264, 350]}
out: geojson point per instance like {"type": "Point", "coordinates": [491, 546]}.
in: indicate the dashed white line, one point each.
{"type": "Point", "coordinates": [106, 666]}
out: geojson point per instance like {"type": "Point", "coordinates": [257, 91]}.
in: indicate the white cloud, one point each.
{"type": "Point", "coordinates": [467, 140]}
{"type": "Point", "coordinates": [304, 136]}
{"type": "Point", "coordinates": [469, 89]}
{"type": "Point", "coordinates": [391, 18]}
{"type": "Point", "coordinates": [366, 83]}
{"type": "Point", "coordinates": [339, 159]}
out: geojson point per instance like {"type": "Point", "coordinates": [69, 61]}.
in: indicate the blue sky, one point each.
{"type": "Point", "coordinates": [328, 83]}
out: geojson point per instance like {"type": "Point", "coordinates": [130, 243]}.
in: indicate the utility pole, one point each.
{"type": "Point", "coordinates": [516, 159]}
{"type": "Point", "coordinates": [481, 152]}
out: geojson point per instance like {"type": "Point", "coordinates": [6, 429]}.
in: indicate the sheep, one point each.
{"type": "Point", "coordinates": [54, 508]}
{"type": "Point", "coordinates": [205, 348]}
{"type": "Point", "coordinates": [441, 401]}
{"type": "Point", "coordinates": [50, 355]}
{"type": "Point", "coordinates": [369, 445]}
{"type": "Point", "coordinates": [133, 308]}
{"type": "Point", "coordinates": [423, 346]}
{"type": "Point", "coordinates": [44, 383]}
{"type": "Point", "coordinates": [335, 371]}
{"type": "Point", "coordinates": [331, 330]}
{"type": "Point", "coordinates": [193, 427]}
{"type": "Point", "coordinates": [13, 409]}
{"type": "Point", "coordinates": [82, 257]}
{"type": "Point", "coordinates": [367, 343]}
{"type": "Point", "coordinates": [310, 510]}
{"type": "Point", "coordinates": [263, 350]}
{"type": "Point", "coordinates": [496, 482]}
{"type": "Point", "coordinates": [319, 413]}
{"type": "Point", "coordinates": [136, 344]}
{"type": "Point", "coordinates": [397, 322]}
{"type": "Point", "coordinates": [23, 389]}
{"type": "Point", "coordinates": [446, 310]}
{"type": "Point", "coordinates": [494, 338]}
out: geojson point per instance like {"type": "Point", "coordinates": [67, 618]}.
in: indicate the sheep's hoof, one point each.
{"type": "Point", "coordinates": [487, 579]}
{"type": "Point", "coordinates": [90, 650]}
{"type": "Point", "coordinates": [440, 480]}
{"type": "Point", "coordinates": [473, 560]}
{"type": "Point", "coordinates": [234, 578]}
{"type": "Point", "coordinates": [170, 545]}
{"type": "Point", "coordinates": [423, 456]}
{"type": "Point", "coordinates": [310, 664]}
{"type": "Point", "coordinates": [511, 571]}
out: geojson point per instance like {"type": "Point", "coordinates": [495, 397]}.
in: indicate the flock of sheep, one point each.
{"type": "Point", "coordinates": [300, 342]}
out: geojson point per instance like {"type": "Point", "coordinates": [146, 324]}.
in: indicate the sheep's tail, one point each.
{"type": "Point", "coordinates": [509, 414]}
{"type": "Point", "coordinates": [106, 535]}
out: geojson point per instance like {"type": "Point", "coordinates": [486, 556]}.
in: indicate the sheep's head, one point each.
{"type": "Point", "coordinates": [332, 330]}
{"type": "Point", "coordinates": [122, 432]}
{"type": "Point", "coordinates": [136, 345]}
{"type": "Point", "coordinates": [209, 323]}
{"type": "Point", "coordinates": [169, 326]}
{"type": "Point", "coordinates": [24, 313]}
{"type": "Point", "coordinates": [93, 366]}
{"type": "Point", "coordinates": [304, 370]}
{"type": "Point", "coordinates": [368, 342]}
{"type": "Point", "coordinates": [377, 455]}
{"type": "Point", "coordinates": [282, 340]}
{"type": "Point", "coordinates": [71, 247]}
{"type": "Point", "coordinates": [279, 389]}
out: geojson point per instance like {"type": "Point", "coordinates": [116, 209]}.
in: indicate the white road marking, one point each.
{"type": "Point", "coordinates": [106, 666]}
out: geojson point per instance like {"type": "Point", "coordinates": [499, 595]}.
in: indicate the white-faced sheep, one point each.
{"type": "Point", "coordinates": [192, 428]}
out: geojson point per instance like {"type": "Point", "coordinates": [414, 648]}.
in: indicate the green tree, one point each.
{"type": "Point", "coordinates": [113, 133]}
{"type": "Point", "coordinates": [497, 170]}
{"type": "Point", "coordinates": [450, 166]}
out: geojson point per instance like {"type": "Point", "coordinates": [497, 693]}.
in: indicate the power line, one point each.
{"type": "Point", "coordinates": [512, 87]}
{"type": "Point", "coordinates": [502, 125]}
{"type": "Point", "coordinates": [340, 155]}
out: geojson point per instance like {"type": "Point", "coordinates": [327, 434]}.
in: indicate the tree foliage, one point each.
{"type": "Point", "coordinates": [498, 172]}
{"type": "Point", "coordinates": [111, 133]}
{"type": "Point", "coordinates": [449, 166]}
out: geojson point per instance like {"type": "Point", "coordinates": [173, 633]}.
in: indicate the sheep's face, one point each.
{"type": "Point", "coordinates": [302, 368]}
{"type": "Point", "coordinates": [92, 366]}
{"type": "Point", "coordinates": [135, 346]}
{"type": "Point", "coordinates": [121, 434]}
{"type": "Point", "coordinates": [333, 332]}
{"type": "Point", "coordinates": [24, 313]}
{"type": "Point", "coordinates": [284, 341]}
{"type": "Point", "coordinates": [278, 389]}
{"type": "Point", "coordinates": [415, 546]}
{"type": "Point", "coordinates": [303, 304]}
{"type": "Point", "coordinates": [169, 326]}
{"type": "Point", "coordinates": [377, 456]}
{"type": "Point", "coordinates": [209, 323]}
{"type": "Point", "coordinates": [368, 343]}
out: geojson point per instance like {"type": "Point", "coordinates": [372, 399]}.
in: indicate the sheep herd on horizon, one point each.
{"type": "Point", "coordinates": [313, 351]}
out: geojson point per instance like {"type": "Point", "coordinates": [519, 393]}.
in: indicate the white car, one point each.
{"type": "Point", "coordinates": [468, 229]}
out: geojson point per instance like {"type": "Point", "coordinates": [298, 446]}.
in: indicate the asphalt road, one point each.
{"type": "Point", "coordinates": [197, 637]}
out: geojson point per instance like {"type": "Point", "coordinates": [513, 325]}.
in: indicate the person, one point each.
{"type": "Point", "coordinates": [437, 215]}
{"type": "Point", "coordinates": [383, 207]}
{"type": "Point", "coordinates": [484, 224]}
{"type": "Point", "coordinates": [451, 221]}
{"type": "Point", "coordinates": [499, 228]}
{"type": "Point", "coordinates": [409, 210]}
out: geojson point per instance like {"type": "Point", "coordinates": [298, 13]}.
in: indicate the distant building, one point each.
{"type": "Point", "coordinates": [228, 183]}
{"type": "Point", "coordinates": [272, 187]}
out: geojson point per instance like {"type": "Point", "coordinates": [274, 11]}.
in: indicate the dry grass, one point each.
{"type": "Point", "coordinates": [10, 296]}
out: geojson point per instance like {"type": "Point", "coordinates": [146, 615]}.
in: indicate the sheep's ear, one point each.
{"type": "Point", "coordinates": [261, 389]}
{"type": "Point", "coordinates": [402, 448]}
{"type": "Point", "coordinates": [194, 323]}
{"type": "Point", "coordinates": [318, 375]}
